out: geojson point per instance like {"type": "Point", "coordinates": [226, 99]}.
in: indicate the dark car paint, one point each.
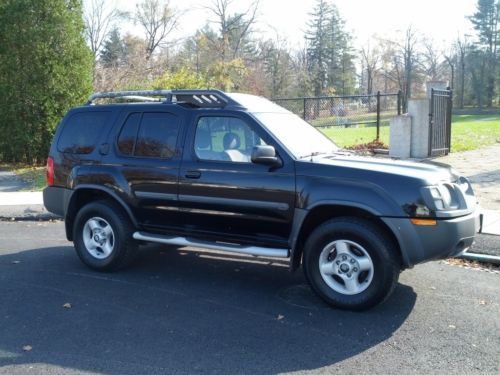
{"type": "Point", "coordinates": [243, 202]}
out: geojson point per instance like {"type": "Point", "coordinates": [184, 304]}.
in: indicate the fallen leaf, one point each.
{"type": "Point", "coordinates": [67, 305]}
{"type": "Point", "coordinates": [27, 348]}
{"type": "Point", "coordinates": [280, 317]}
{"type": "Point", "coordinates": [452, 326]}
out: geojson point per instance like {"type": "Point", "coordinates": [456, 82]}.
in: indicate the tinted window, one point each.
{"type": "Point", "coordinates": [157, 135]}
{"type": "Point", "coordinates": [128, 134]}
{"type": "Point", "coordinates": [81, 132]}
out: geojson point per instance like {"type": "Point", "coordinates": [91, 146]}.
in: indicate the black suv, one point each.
{"type": "Point", "coordinates": [237, 173]}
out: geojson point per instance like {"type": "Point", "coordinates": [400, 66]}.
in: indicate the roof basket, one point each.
{"type": "Point", "coordinates": [197, 98]}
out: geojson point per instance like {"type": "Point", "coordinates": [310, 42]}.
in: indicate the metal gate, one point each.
{"type": "Point", "coordinates": [440, 122]}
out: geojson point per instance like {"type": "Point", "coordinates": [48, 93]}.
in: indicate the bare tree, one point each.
{"type": "Point", "coordinates": [98, 20]}
{"type": "Point", "coordinates": [370, 60]}
{"type": "Point", "coordinates": [431, 60]}
{"type": "Point", "coordinates": [233, 28]}
{"type": "Point", "coordinates": [462, 50]}
{"type": "Point", "coordinates": [404, 61]}
{"type": "Point", "coordinates": [409, 51]}
{"type": "Point", "coordinates": [157, 19]}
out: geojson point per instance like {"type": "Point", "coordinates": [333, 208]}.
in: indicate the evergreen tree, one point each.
{"type": "Point", "coordinates": [341, 69]}
{"type": "Point", "coordinates": [45, 68]}
{"type": "Point", "coordinates": [485, 22]}
{"type": "Point", "coordinates": [113, 52]}
{"type": "Point", "coordinates": [329, 51]}
{"type": "Point", "coordinates": [318, 37]}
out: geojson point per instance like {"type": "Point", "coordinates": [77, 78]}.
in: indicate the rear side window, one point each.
{"type": "Point", "coordinates": [81, 132]}
{"type": "Point", "coordinates": [152, 135]}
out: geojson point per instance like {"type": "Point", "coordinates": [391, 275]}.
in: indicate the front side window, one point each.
{"type": "Point", "coordinates": [149, 135]}
{"type": "Point", "coordinates": [81, 132]}
{"type": "Point", "coordinates": [225, 139]}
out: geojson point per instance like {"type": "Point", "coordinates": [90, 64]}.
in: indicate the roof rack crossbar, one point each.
{"type": "Point", "coordinates": [197, 98]}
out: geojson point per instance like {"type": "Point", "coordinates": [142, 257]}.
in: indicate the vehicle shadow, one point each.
{"type": "Point", "coordinates": [178, 311]}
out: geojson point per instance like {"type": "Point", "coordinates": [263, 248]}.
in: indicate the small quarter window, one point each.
{"type": "Point", "coordinates": [128, 134]}
{"type": "Point", "coordinates": [81, 132]}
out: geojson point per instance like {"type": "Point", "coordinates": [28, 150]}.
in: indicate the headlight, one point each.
{"type": "Point", "coordinates": [441, 197]}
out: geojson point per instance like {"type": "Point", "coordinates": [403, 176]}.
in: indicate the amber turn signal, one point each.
{"type": "Point", "coordinates": [424, 222]}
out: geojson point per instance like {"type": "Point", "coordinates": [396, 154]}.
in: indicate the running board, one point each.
{"type": "Point", "coordinates": [183, 241]}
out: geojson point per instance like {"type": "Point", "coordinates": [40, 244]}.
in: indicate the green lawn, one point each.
{"type": "Point", "coordinates": [351, 136]}
{"type": "Point", "coordinates": [468, 132]}
{"type": "Point", "coordinates": [35, 176]}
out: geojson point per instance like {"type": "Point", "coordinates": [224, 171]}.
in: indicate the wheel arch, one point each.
{"type": "Point", "coordinates": [85, 194]}
{"type": "Point", "coordinates": [315, 216]}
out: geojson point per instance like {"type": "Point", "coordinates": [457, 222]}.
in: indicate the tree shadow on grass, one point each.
{"type": "Point", "coordinates": [177, 311]}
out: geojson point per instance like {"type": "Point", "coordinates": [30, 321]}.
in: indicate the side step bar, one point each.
{"type": "Point", "coordinates": [183, 241]}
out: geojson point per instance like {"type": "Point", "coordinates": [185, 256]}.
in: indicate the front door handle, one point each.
{"type": "Point", "coordinates": [193, 174]}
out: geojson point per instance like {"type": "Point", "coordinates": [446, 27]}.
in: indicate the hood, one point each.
{"type": "Point", "coordinates": [426, 171]}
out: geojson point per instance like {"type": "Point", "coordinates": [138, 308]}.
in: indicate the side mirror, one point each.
{"type": "Point", "coordinates": [266, 155]}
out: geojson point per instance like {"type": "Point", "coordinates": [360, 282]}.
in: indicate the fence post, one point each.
{"type": "Point", "coordinates": [304, 112]}
{"type": "Point", "coordinates": [431, 122]}
{"type": "Point", "coordinates": [378, 115]}
{"type": "Point", "coordinates": [448, 120]}
{"type": "Point", "coordinates": [399, 102]}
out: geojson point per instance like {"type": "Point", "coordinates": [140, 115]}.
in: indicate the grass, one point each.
{"type": "Point", "coordinates": [351, 136]}
{"type": "Point", "coordinates": [34, 176]}
{"type": "Point", "coordinates": [468, 132]}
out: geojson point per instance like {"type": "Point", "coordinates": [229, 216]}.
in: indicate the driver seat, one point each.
{"type": "Point", "coordinates": [231, 143]}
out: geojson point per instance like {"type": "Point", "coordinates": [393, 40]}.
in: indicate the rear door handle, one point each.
{"type": "Point", "coordinates": [193, 174]}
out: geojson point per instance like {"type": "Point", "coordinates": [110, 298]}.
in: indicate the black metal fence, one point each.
{"type": "Point", "coordinates": [338, 113]}
{"type": "Point", "coordinates": [440, 122]}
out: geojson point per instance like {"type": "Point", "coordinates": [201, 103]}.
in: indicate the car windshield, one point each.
{"type": "Point", "coordinates": [299, 137]}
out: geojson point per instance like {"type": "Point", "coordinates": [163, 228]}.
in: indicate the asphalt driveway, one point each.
{"type": "Point", "coordinates": [190, 311]}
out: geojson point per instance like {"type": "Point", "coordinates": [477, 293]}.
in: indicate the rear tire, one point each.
{"type": "Point", "coordinates": [102, 235]}
{"type": "Point", "coordinates": [350, 263]}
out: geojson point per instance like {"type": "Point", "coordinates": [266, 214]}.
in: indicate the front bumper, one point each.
{"type": "Point", "coordinates": [450, 237]}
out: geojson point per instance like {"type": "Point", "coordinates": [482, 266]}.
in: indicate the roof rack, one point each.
{"type": "Point", "coordinates": [197, 98]}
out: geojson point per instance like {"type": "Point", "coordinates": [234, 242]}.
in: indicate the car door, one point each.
{"type": "Point", "coordinates": [148, 159]}
{"type": "Point", "coordinates": [222, 194]}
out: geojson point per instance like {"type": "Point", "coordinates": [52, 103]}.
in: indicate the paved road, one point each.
{"type": "Point", "coordinates": [190, 311]}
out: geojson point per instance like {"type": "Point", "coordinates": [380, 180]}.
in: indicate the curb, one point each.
{"type": "Point", "coordinates": [34, 212]}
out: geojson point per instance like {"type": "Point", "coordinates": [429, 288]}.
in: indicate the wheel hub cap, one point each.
{"type": "Point", "coordinates": [346, 267]}
{"type": "Point", "coordinates": [98, 237]}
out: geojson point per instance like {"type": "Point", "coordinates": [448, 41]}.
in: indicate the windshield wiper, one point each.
{"type": "Point", "coordinates": [312, 154]}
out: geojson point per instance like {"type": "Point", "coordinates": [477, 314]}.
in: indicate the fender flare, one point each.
{"type": "Point", "coordinates": [69, 215]}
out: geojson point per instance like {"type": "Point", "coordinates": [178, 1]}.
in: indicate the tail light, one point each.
{"type": "Point", "coordinates": [50, 171]}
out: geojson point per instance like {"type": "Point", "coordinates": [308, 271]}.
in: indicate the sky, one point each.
{"type": "Point", "coordinates": [441, 20]}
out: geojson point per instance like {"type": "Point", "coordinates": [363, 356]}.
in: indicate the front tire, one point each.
{"type": "Point", "coordinates": [350, 263]}
{"type": "Point", "coordinates": [102, 235]}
